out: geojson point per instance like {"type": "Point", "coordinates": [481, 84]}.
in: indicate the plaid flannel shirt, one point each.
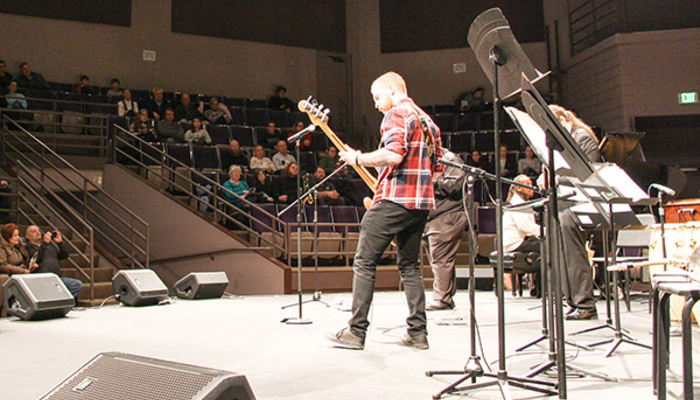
{"type": "Point", "coordinates": [409, 183]}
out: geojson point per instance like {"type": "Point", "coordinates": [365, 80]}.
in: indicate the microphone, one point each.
{"type": "Point", "coordinates": [297, 136]}
{"type": "Point", "coordinates": [661, 188]}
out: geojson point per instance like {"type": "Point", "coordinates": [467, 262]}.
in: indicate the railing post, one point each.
{"type": "Point", "coordinates": [133, 243]}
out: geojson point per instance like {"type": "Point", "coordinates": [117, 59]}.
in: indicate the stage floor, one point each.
{"type": "Point", "coordinates": [281, 361]}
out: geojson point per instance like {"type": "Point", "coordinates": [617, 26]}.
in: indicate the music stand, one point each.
{"type": "Point", "coordinates": [503, 61]}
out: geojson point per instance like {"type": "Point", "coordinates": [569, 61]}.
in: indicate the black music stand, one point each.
{"type": "Point", "coordinates": [503, 61]}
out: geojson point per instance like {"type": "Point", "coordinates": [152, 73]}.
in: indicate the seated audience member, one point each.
{"type": "Point", "coordinates": [197, 134]}
{"type": "Point", "coordinates": [478, 161]}
{"type": "Point", "coordinates": [13, 254]}
{"type": "Point", "coordinates": [306, 141]}
{"type": "Point", "coordinates": [262, 187]}
{"type": "Point", "coordinates": [218, 113]}
{"type": "Point", "coordinates": [471, 101]}
{"type": "Point", "coordinates": [282, 158]}
{"type": "Point", "coordinates": [31, 80]}
{"type": "Point", "coordinates": [5, 77]}
{"type": "Point", "coordinates": [234, 155]}
{"type": "Point", "coordinates": [84, 86]}
{"type": "Point", "coordinates": [115, 89]}
{"type": "Point", "coordinates": [5, 201]}
{"type": "Point", "coordinates": [520, 230]}
{"type": "Point", "coordinates": [259, 161]}
{"type": "Point", "coordinates": [128, 107]}
{"type": "Point", "coordinates": [185, 112]}
{"type": "Point", "coordinates": [326, 193]}
{"type": "Point", "coordinates": [508, 165]}
{"type": "Point", "coordinates": [286, 184]}
{"type": "Point", "coordinates": [143, 127]}
{"type": "Point", "coordinates": [241, 190]}
{"type": "Point", "coordinates": [169, 131]}
{"type": "Point", "coordinates": [15, 100]}
{"type": "Point", "coordinates": [279, 101]}
{"type": "Point", "coordinates": [51, 250]}
{"type": "Point", "coordinates": [271, 136]}
{"type": "Point", "coordinates": [157, 105]}
{"type": "Point", "coordinates": [331, 161]}
{"type": "Point", "coordinates": [529, 165]}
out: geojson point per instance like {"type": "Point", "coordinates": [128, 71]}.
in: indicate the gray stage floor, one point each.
{"type": "Point", "coordinates": [297, 362]}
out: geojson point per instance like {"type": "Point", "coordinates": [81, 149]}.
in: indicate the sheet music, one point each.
{"type": "Point", "coordinates": [536, 138]}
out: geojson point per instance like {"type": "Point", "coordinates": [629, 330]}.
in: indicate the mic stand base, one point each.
{"type": "Point", "coordinates": [316, 297]}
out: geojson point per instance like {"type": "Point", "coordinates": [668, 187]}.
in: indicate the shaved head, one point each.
{"type": "Point", "coordinates": [389, 79]}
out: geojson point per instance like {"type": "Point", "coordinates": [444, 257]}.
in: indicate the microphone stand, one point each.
{"type": "Point", "coordinates": [313, 190]}
{"type": "Point", "coordinates": [300, 320]}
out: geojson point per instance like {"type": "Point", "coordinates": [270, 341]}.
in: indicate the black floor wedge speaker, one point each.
{"type": "Point", "coordinates": [37, 296]}
{"type": "Point", "coordinates": [139, 287]}
{"type": "Point", "coordinates": [119, 376]}
{"type": "Point", "coordinates": [201, 285]}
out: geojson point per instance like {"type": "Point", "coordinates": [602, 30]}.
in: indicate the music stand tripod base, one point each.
{"type": "Point", "coordinates": [296, 321]}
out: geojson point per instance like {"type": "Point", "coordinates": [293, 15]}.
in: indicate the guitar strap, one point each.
{"type": "Point", "coordinates": [429, 141]}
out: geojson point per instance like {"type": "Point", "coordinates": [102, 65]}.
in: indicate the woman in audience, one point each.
{"type": "Point", "coordinates": [306, 142]}
{"type": "Point", "coordinates": [13, 255]}
{"type": "Point", "coordinates": [128, 107]}
{"type": "Point", "coordinates": [143, 127]}
{"type": "Point", "coordinates": [242, 190]}
{"type": "Point", "coordinates": [286, 184]}
{"type": "Point", "coordinates": [259, 161]}
{"type": "Point", "coordinates": [197, 134]}
{"type": "Point", "coordinates": [529, 165]}
{"type": "Point", "coordinates": [15, 100]}
{"type": "Point", "coordinates": [262, 187]}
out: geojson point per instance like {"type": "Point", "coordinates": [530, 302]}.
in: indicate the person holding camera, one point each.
{"type": "Point", "coordinates": [51, 250]}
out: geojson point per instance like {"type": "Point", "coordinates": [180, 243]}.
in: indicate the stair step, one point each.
{"type": "Point", "coordinates": [102, 291]}
{"type": "Point", "coordinates": [103, 274]}
{"type": "Point", "coordinates": [79, 260]}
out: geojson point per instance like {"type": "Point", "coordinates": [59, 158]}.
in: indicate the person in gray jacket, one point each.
{"type": "Point", "coordinates": [443, 233]}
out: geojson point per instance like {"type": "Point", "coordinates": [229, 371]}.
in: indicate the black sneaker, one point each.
{"type": "Point", "coordinates": [345, 339]}
{"type": "Point", "coordinates": [419, 341]}
{"type": "Point", "coordinates": [580, 315]}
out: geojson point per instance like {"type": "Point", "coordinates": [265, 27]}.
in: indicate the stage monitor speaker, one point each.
{"type": "Point", "coordinates": [139, 287]}
{"type": "Point", "coordinates": [119, 376]}
{"type": "Point", "coordinates": [201, 285]}
{"type": "Point", "coordinates": [37, 296]}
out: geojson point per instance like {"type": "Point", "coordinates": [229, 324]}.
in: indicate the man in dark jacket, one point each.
{"type": "Point", "coordinates": [443, 233]}
{"type": "Point", "coordinates": [51, 250]}
{"type": "Point", "coordinates": [31, 80]}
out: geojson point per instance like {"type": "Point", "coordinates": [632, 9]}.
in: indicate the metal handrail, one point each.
{"type": "Point", "coordinates": [120, 144]}
{"type": "Point", "coordinates": [136, 227]}
{"type": "Point", "coordinates": [87, 238]}
{"type": "Point", "coordinates": [57, 101]}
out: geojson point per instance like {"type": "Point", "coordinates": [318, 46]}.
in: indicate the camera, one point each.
{"type": "Point", "coordinates": [53, 234]}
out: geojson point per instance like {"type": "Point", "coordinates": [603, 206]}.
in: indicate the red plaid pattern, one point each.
{"type": "Point", "coordinates": [408, 183]}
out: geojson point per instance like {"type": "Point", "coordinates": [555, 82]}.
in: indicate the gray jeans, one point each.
{"type": "Point", "coordinates": [381, 224]}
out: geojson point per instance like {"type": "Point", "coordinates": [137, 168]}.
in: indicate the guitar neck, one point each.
{"type": "Point", "coordinates": [369, 179]}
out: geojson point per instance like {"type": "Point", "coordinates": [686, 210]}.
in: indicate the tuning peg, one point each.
{"type": "Point", "coordinates": [313, 102]}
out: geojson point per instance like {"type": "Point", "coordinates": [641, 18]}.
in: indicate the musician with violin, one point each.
{"type": "Point", "coordinates": [410, 144]}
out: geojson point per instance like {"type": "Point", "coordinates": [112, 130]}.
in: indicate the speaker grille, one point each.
{"type": "Point", "coordinates": [116, 376]}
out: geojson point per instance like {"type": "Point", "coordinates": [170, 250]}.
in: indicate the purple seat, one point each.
{"type": "Point", "coordinates": [345, 215]}
{"type": "Point", "coordinates": [443, 108]}
{"type": "Point", "coordinates": [117, 120]}
{"type": "Point", "coordinates": [181, 153]}
{"type": "Point", "coordinates": [261, 222]}
{"type": "Point", "coordinates": [307, 161]}
{"type": "Point", "coordinates": [486, 219]}
{"type": "Point", "coordinates": [152, 154]}
{"type": "Point", "coordinates": [206, 157]}
{"type": "Point", "coordinates": [35, 104]}
{"type": "Point", "coordinates": [483, 141]}
{"type": "Point", "coordinates": [361, 188]}
{"type": "Point", "coordinates": [238, 115]}
{"type": "Point", "coordinates": [297, 116]}
{"type": "Point", "coordinates": [70, 102]}
{"type": "Point", "coordinates": [257, 116]}
{"type": "Point", "coordinates": [233, 101]}
{"type": "Point", "coordinates": [467, 122]}
{"type": "Point", "coordinates": [290, 217]}
{"type": "Point", "coordinates": [324, 217]}
{"type": "Point", "coordinates": [141, 96]}
{"type": "Point", "coordinates": [485, 121]}
{"type": "Point", "coordinates": [256, 103]}
{"type": "Point", "coordinates": [319, 141]}
{"type": "Point", "coordinates": [445, 121]}
{"type": "Point", "coordinates": [202, 178]}
{"type": "Point", "coordinates": [98, 105]}
{"type": "Point", "coordinates": [243, 134]}
{"type": "Point", "coordinates": [280, 118]}
{"type": "Point", "coordinates": [61, 87]}
{"type": "Point", "coordinates": [461, 142]}
{"type": "Point", "coordinates": [219, 134]}
{"type": "Point", "coordinates": [361, 210]}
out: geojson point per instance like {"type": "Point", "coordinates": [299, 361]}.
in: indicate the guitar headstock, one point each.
{"type": "Point", "coordinates": [316, 112]}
